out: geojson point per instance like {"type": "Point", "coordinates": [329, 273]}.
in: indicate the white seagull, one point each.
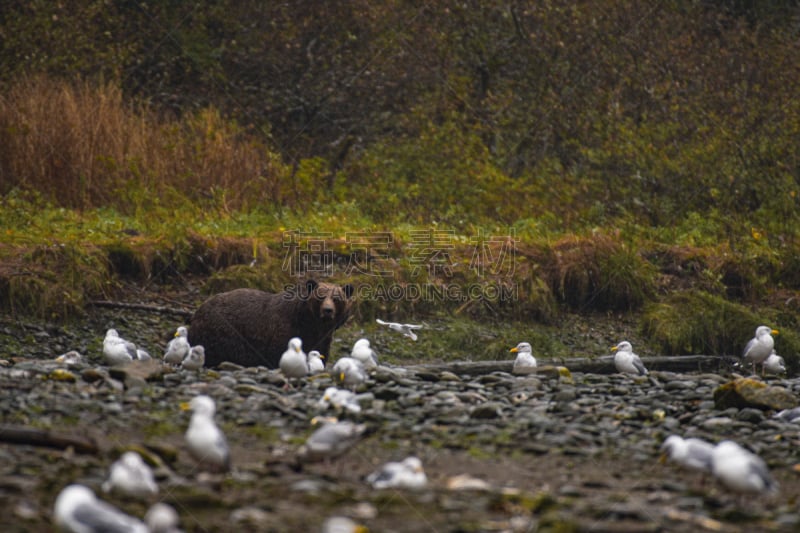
{"type": "Point", "coordinates": [363, 353]}
{"type": "Point", "coordinates": [789, 415]}
{"type": "Point", "coordinates": [332, 439]}
{"type": "Point", "coordinates": [774, 364]}
{"type": "Point", "coordinates": [760, 346]}
{"type": "Point", "coordinates": [294, 362]}
{"type": "Point", "coordinates": [162, 518]}
{"type": "Point", "coordinates": [195, 360]}
{"type": "Point", "coordinates": [525, 363]}
{"type": "Point", "coordinates": [626, 361]}
{"type": "Point", "coordinates": [316, 362]}
{"type": "Point", "coordinates": [78, 510]}
{"type": "Point", "coordinates": [130, 475]}
{"type": "Point", "coordinates": [407, 474]}
{"type": "Point", "coordinates": [691, 453]}
{"type": "Point", "coordinates": [340, 399]}
{"type": "Point", "coordinates": [71, 358]}
{"type": "Point", "coordinates": [406, 329]}
{"type": "Point", "coordinates": [739, 469]}
{"type": "Point", "coordinates": [117, 350]}
{"type": "Point", "coordinates": [178, 348]}
{"type": "Point", "coordinates": [349, 372]}
{"type": "Point", "coordinates": [205, 440]}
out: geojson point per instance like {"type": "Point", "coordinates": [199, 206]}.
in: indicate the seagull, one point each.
{"type": "Point", "coordinates": [162, 518]}
{"type": "Point", "coordinates": [205, 440]}
{"type": "Point", "coordinates": [71, 358]}
{"type": "Point", "coordinates": [130, 475]}
{"type": "Point", "coordinates": [739, 469]}
{"type": "Point", "coordinates": [117, 350]}
{"type": "Point", "coordinates": [626, 361]}
{"type": "Point", "coordinates": [407, 474]}
{"type": "Point", "coordinates": [195, 360]}
{"type": "Point", "coordinates": [332, 439]}
{"type": "Point", "coordinates": [760, 346]}
{"type": "Point", "coordinates": [142, 355]}
{"type": "Point", "coordinates": [340, 399]}
{"type": "Point", "coordinates": [406, 329]}
{"type": "Point", "coordinates": [364, 354]}
{"type": "Point", "coordinates": [525, 363]}
{"type": "Point", "coordinates": [316, 362]}
{"type": "Point", "coordinates": [178, 348]}
{"type": "Point", "coordinates": [78, 510]}
{"type": "Point", "coordinates": [341, 524]}
{"type": "Point", "coordinates": [774, 364]}
{"type": "Point", "coordinates": [349, 372]}
{"type": "Point", "coordinates": [294, 362]}
{"type": "Point", "coordinates": [789, 415]}
{"type": "Point", "coordinates": [691, 453]}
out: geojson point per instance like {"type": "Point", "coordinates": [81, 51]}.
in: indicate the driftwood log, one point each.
{"type": "Point", "coordinates": [142, 307]}
{"type": "Point", "coordinates": [43, 437]}
{"type": "Point", "coordinates": [600, 365]}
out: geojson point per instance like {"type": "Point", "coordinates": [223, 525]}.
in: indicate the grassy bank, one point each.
{"type": "Point", "coordinates": [681, 298]}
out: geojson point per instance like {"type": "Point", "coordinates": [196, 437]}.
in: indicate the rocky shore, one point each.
{"type": "Point", "coordinates": [553, 451]}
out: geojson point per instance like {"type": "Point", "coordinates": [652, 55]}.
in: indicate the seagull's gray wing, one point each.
{"type": "Point", "coordinates": [131, 348]}
{"type": "Point", "coordinates": [222, 444]}
{"type": "Point", "coordinates": [99, 516]}
{"type": "Point", "coordinates": [749, 346]}
{"type": "Point", "coordinates": [386, 473]}
{"type": "Point", "coordinates": [759, 467]}
{"type": "Point", "coordinates": [639, 366]}
{"type": "Point", "coordinates": [413, 326]}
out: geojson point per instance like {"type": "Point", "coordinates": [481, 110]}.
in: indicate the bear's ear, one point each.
{"type": "Point", "coordinates": [311, 286]}
{"type": "Point", "coordinates": [348, 290]}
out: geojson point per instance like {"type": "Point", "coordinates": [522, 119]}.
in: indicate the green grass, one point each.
{"type": "Point", "coordinates": [684, 293]}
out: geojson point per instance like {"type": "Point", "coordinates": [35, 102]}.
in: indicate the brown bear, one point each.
{"type": "Point", "coordinates": [250, 327]}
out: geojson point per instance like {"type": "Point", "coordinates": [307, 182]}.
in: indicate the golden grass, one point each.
{"type": "Point", "coordinates": [82, 145]}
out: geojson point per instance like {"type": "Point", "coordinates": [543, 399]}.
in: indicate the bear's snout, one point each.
{"type": "Point", "coordinates": [328, 310]}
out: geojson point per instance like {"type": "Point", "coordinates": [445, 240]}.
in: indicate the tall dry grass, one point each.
{"type": "Point", "coordinates": [83, 145]}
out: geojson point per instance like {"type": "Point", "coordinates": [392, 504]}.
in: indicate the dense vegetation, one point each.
{"type": "Point", "coordinates": [635, 149]}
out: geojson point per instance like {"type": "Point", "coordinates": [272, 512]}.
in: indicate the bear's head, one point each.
{"type": "Point", "coordinates": [329, 301]}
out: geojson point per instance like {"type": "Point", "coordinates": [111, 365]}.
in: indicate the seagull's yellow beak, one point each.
{"type": "Point", "coordinates": [662, 458]}
{"type": "Point", "coordinates": [615, 348]}
{"type": "Point", "coordinates": [185, 406]}
{"type": "Point", "coordinates": [322, 357]}
{"type": "Point", "coordinates": [60, 358]}
{"type": "Point", "coordinates": [341, 376]}
{"type": "Point", "coordinates": [176, 334]}
{"type": "Point", "coordinates": [513, 350]}
{"type": "Point", "coordinates": [775, 332]}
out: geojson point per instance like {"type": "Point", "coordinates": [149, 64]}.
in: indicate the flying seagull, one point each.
{"type": "Point", "coordinates": [405, 329]}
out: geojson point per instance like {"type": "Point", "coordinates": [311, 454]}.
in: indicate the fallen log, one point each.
{"type": "Point", "coordinates": [587, 365]}
{"type": "Point", "coordinates": [142, 307]}
{"type": "Point", "coordinates": [46, 438]}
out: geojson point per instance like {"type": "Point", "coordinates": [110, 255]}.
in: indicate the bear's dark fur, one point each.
{"type": "Point", "coordinates": [251, 327]}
